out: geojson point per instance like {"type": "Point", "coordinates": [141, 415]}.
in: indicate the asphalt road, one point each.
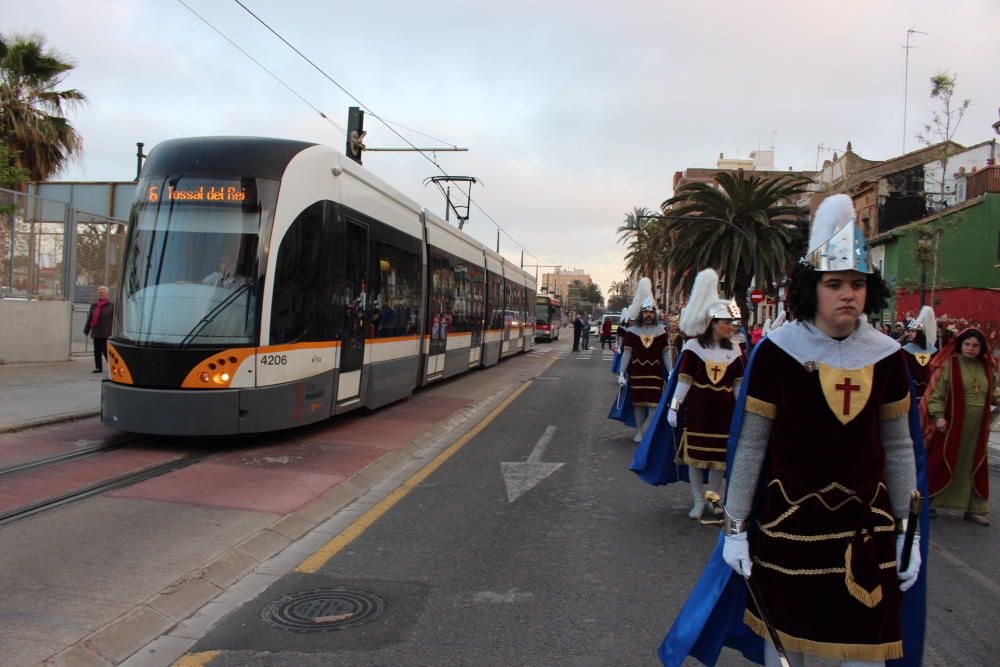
{"type": "Point", "coordinates": [587, 567]}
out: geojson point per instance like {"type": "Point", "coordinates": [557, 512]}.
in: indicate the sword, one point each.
{"type": "Point", "coordinates": [766, 618]}
{"type": "Point", "coordinates": [772, 633]}
{"type": "Point", "coordinates": [911, 529]}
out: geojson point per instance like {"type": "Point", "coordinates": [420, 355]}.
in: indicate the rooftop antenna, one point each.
{"type": "Point", "coordinates": [906, 77]}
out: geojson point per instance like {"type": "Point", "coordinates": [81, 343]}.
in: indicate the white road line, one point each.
{"type": "Point", "coordinates": [543, 442]}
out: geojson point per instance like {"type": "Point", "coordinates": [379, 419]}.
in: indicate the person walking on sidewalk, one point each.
{"type": "Point", "coordinates": [577, 332]}
{"type": "Point", "coordinates": [98, 326]}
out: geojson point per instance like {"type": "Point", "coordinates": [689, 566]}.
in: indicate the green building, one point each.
{"type": "Point", "coordinates": [966, 240]}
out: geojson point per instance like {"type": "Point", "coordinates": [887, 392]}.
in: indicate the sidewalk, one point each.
{"type": "Point", "coordinates": [35, 394]}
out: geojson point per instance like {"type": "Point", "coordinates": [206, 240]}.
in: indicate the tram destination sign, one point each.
{"type": "Point", "coordinates": [210, 193]}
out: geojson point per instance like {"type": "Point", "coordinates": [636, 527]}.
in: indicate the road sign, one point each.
{"type": "Point", "coordinates": [757, 296]}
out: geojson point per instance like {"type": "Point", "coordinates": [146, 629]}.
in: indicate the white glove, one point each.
{"type": "Point", "coordinates": [672, 418]}
{"type": "Point", "coordinates": [621, 379]}
{"type": "Point", "coordinates": [909, 577]}
{"type": "Point", "coordinates": [736, 553]}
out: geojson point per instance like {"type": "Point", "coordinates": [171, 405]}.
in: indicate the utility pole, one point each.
{"type": "Point", "coordinates": [906, 77]}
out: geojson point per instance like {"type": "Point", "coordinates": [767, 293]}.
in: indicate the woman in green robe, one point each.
{"type": "Point", "coordinates": [956, 415]}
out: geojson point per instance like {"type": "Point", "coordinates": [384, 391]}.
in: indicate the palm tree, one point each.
{"type": "Point", "coordinates": [32, 124]}
{"type": "Point", "coordinates": [639, 234]}
{"type": "Point", "coordinates": [763, 208]}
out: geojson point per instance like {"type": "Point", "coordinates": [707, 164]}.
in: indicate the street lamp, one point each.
{"type": "Point", "coordinates": [707, 218]}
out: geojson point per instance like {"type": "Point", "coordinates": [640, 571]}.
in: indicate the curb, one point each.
{"type": "Point", "coordinates": [167, 625]}
{"type": "Point", "coordinates": [46, 421]}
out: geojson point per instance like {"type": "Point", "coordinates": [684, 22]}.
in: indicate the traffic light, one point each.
{"type": "Point", "coordinates": [355, 133]}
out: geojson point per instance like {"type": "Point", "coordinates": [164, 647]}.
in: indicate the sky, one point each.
{"type": "Point", "coordinates": [574, 112]}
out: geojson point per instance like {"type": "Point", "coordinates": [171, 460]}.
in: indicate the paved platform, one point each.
{"type": "Point", "coordinates": [44, 393]}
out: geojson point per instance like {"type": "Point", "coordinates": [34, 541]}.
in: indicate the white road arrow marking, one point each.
{"type": "Point", "coordinates": [520, 477]}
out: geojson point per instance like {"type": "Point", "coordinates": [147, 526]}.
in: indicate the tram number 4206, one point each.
{"type": "Point", "coordinates": [274, 359]}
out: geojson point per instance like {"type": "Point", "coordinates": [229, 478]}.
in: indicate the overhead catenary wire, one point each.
{"type": "Point", "coordinates": [260, 65]}
{"type": "Point", "coordinates": [381, 120]}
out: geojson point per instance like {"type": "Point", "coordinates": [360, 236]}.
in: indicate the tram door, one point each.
{"type": "Point", "coordinates": [355, 325]}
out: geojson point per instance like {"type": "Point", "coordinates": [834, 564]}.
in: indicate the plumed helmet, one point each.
{"type": "Point", "coordinates": [643, 299]}
{"type": "Point", "coordinates": [703, 302]}
{"type": "Point", "coordinates": [836, 243]}
{"type": "Point", "coordinates": [926, 322]}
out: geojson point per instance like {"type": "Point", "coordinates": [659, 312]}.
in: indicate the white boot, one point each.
{"type": "Point", "coordinates": [771, 657]}
{"type": "Point", "coordinates": [640, 413]}
{"type": "Point", "coordinates": [698, 492]}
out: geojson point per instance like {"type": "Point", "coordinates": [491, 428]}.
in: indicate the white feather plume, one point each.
{"type": "Point", "coordinates": [928, 321]}
{"type": "Point", "coordinates": [643, 290]}
{"type": "Point", "coordinates": [704, 293]}
{"type": "Point", "coordinates": [778, 321]}
{"type": "Point", "coordinates": [833, 213]}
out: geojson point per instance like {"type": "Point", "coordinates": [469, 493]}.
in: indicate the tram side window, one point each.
{"type": "Point", "coordinates": [297, 279]}
{"type": "Point", "coordinates": [395, 310]}
{"type": "Point", "coordinates": [477, 303]}
{"type": "Point", "coordinates": [495, 296]}
{"type": "Point", "coordinates": [442, 300]}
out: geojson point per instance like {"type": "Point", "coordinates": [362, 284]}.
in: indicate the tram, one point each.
{"type": "Point", "coordinates": [548, 317]}
{"type": "Point", "coordinates": [269, 283]}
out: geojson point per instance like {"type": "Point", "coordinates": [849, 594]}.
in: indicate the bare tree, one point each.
{"type": "Point", "coordinates": [940, 131]}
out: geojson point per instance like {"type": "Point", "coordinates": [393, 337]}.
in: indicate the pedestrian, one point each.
{"type": "Point", "coordinates": [955, 412]}
{"type": "Point", "coordinates": [756, 334]}
{"type": "Point", "coordinates": [98, 326]}
{"type": "Point", "coordinates": [898, 332]}
{"type": "Point", "coordinates": [645, 356]}
{"type": "Point", "coordinates": [585, 333]}
{"type": "Point", "coordinates": [709, 374]}
{"type": "Point", "coordinates": [921, 335]}
{"type": "Point", "coordinates": [606, 333]}
{"type": "Point", "coordinates": [822, 475]}
{"type": "Point", "coordinates": [577, 332]}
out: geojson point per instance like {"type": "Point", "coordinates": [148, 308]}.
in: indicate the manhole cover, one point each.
{"type": "Point", "coordinates": [322, 610]}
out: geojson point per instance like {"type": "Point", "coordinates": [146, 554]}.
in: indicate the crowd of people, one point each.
{"type": "Point", "coordinates": [808, 429]}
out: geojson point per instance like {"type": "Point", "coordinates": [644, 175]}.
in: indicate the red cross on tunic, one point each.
{"type": "Point", "coordinates": [715, 372]}
{"type": "Point", "coordinates": [847, 388]}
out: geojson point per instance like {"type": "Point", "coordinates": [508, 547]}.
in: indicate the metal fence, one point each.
{"type": "Point", "coordinates": [51, 251]}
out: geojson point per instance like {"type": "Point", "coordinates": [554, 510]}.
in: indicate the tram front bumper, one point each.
{"type": "Point", "coordinates": [170, 411]}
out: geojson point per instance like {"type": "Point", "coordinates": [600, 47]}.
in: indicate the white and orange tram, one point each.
{"type": "Point", "coordinates": [269, 284]}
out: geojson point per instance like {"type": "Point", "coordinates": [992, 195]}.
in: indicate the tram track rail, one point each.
{"type": "Point", "coordinates": [109, 484]}
{"type": "Point", "coordinates": [67, 456]}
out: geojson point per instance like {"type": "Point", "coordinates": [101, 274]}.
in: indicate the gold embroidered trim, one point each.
{"type": "Point", "coordinates": [712, 387]}
{"type": "Point", "coordinates": [895, 409]}
{"type": "Point", "coordinates": [807, 572]}
{"type": "Point", "coordinates": [818, 538]}
{"type": "Point", "coordinates": [829, 650]}
{"type": "Point", "coordinates": [707, 449]}
{"type": "Point", "coordinates": [706, 435]}
{"type": "Point", "coordinates": [645, 377]}
{"type": "Point", "coordinates": [868, 598]}
{"type": "Point", "coordinates": [816, 494]}
{"type": "Point", "coordinates": [645, 362]}
{"type": "Point", "coordinates": [762, 408]}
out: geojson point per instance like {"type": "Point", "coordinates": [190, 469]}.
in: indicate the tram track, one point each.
{"type": "Point", "coordinates": [109, 484]}
{"type": "Point", "coordinates": [67, 456]}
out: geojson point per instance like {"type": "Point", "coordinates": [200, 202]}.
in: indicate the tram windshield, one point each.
{"type": "Point", "coordinates": [191, 264]}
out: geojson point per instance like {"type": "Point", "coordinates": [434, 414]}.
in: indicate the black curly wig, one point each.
{"type": "Point", "coordinates": [802, 292]}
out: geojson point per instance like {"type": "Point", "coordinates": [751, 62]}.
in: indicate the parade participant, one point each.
{"type": "Point", "coordinates": [823, 421]}
{"type": "Point", "coordinates": [921, 335]}
{"type": "Point", "coordinates": [956, 414]}
{"type": "Point", "coordinates": [708, 376]}
{"type": "Point", "coordinates": [619, 342]}
{"type": "Point", "coordinates": [644, 356]}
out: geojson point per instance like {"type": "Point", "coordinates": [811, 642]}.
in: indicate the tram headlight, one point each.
{"type": "Point", "coordinates": [225, 377]}
{"type": "Point", "coordinates": [204, 377]}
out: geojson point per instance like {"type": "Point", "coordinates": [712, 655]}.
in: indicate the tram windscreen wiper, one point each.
{"type": "Point", "coordinates": [212, 314]}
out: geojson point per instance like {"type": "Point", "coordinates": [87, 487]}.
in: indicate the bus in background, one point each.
{"type": "Point", "coordinates": [548, 317]}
